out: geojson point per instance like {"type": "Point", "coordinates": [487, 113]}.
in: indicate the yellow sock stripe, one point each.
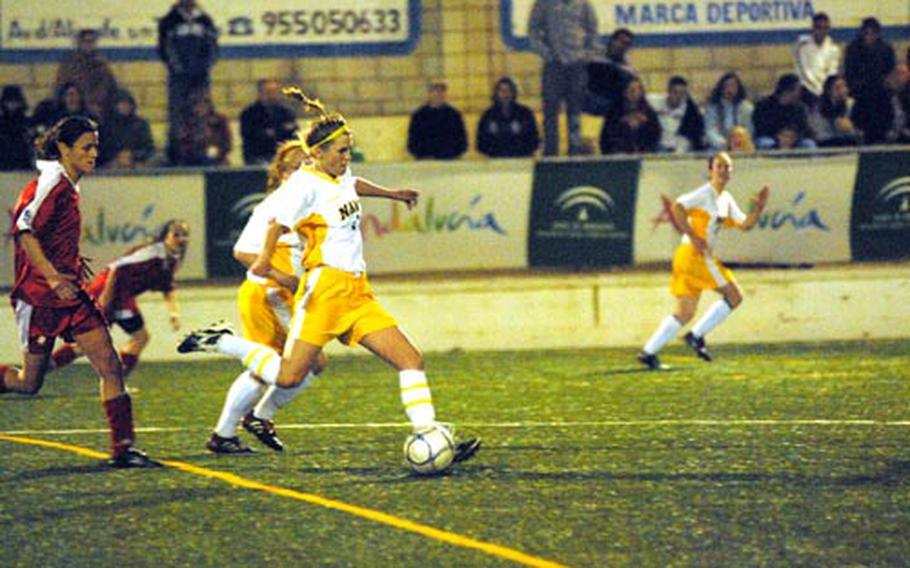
{"type": "Point", "coordinates": [253, 354]}
{"type": "Point", "coordinates": [268, 357]}
{"type": "Point", "coordinates": [362, 512]}
{"type": "Point", "coordinates": [418, 402]}
{"type": "Point", "coordinates": [417, 386]}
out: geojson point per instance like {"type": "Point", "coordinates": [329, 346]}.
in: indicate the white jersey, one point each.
{"type": "Point", "coordinates": [289, 250]}
{"type": "Point", "coordinates": [325, 214]}
{"type": "Point", "coordinates": [708, 210]}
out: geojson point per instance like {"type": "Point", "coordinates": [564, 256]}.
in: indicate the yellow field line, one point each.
{"type": "Point", "coordinates": [369, 514]}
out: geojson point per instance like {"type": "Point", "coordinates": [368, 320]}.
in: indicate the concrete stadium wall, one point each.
{"type": "Point", "coordinates": [589, 310]}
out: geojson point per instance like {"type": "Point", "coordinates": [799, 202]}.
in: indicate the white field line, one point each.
{"type": "Point", "coordinates": [493, 425]}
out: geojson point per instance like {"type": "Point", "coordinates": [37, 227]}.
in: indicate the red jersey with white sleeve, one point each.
{"type": "Point", "coordinates": [149, 267]}
{"type": "Point", "coordinates": [48, 208]}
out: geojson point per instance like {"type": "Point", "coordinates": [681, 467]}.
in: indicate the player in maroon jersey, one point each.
{"type": "Point", "coordinates": [147, 267]}
{"type": "Point", "coordinates": [48, 297]}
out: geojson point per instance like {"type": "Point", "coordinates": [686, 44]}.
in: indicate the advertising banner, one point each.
{"type": "Point", "coordinates": [880, 223]}
{"type": "Point", "coordinates": [120, 212]}
{"type": "Point", "coordinates": [36, 31]}
{"type": "Point", "coordinates": [719, 22]}
{"type": "Point", "coordinates": [806, 221]}
{"type": "Point", "coordinates": [230, 196]}
{"type": "Point", "coordinates": [471, 216]}
{"type": "Point", "coordinates": [582, 213]}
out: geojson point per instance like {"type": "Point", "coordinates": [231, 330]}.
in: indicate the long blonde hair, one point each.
{"type": "Point", "coordinates": [278, 168]}
{"type": "Point", "coordinates": [324, 129]}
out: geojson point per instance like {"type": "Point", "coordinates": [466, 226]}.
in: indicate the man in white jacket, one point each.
{"type": "Point", "coordinates": [817, 58]}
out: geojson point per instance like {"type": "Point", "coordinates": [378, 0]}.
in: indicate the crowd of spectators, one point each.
{"type": "Point", "coordinates": [864, 99]}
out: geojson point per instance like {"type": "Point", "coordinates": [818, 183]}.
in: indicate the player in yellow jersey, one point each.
{"type": "Point", "coordinates": [334, 300]}
{"type": "Point", "coordinates": [700, 214]}
{"type": "Point", "coordinates": [264, 305]}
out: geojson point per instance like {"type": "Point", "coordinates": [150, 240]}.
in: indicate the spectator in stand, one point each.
{"type": "Point", "coordinates": [188, 46]}
{"type": "Point", "coordinates": [631, 126]}
{"type": "Point", "coordinates": [126, 138]}
{"type": "Point", "coordinates": [266, 123]}
{"type": "Point", "coordinates": [740, 141]}
{"type": "Point", "coordinates": [437, 131]}
{"type": "Point", "coordinates": [15, 131]}
{"type": "Point", "coordinates": [90, 72]}
{"type": "Point", "coordinates": [68, 101]}
{"type": "Point", "coordinates": [782, 109]}
{"type": "Point", "coordinates": [830, 119]}
{"type": "Point", "coordinates": [607, 78]}
{"type": "Point", "coordinates": [817, 58]}
{"type": "Point", "coordinates": [204, 138]}
{"type": "Point", "coordinates": [681, 123]}
{"type": "Point", "coordinates": [564, 34]}
{"type": "Point", "coordinates": [508, 128]}
{"type": "Point", "coordinates": [869, 59]}
{"type": "Point", "coordinates": [727, 107]}
{"type": "Point", "coordinates": [879, 112]}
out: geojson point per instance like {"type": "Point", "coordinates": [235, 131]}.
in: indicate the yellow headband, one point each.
{"type": "Point", "coordinates": [343, 129]}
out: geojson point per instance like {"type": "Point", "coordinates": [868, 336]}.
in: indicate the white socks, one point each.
{"type": "Point", "coordinates": [240, 398]}
{"type": "Point", "coordinates": [415, 395]}
{"type": "Point", "coordinates": [717, 312]}
{"type": "Point", "coordinates": [666, 331]}
{"type": "Point", "coordinates": [259, 359]}
{"type": "Point", "coordinates": [276, 398]}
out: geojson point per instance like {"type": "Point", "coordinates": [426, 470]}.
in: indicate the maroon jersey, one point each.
{"type": "Point", "coordinates": [149, 267]}
{"type": "Point", "coordinates": [48, 208]}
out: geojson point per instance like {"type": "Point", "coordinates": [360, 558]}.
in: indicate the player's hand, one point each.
{"type": "Point", "coordinates": [64, 286]}
{"type": "Point", "coordinates": [761, 198]}
{"type": "Point", "coordinates": [409, 196]}
{"type": "Point", "coordinates": [700, 244]}
{"type": "Point", "coordinates": [175, 321]}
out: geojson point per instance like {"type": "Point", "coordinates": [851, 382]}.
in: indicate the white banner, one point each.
{"type": "Point", "coordinates": [472, 215]}
{"type": "Point", "coordinates": [120, 212]}
{"type": "Point", "coordinates": [719, 22]}
{"type": "Point", "coordinates": [256, 28]}
{"type": "Point", "coordinates": [807, 219]}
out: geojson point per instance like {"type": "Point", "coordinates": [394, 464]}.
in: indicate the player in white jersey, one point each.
{"type": "Point", "coordinates": [699, 215]}
{"type": "Point", "coordinates": [334, 299]}
{"type": "Point", "coordinates": [264, 305]}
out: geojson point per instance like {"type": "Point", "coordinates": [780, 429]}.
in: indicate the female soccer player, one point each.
{"type": "Point", "coordinates": [265, 304]}
{"type": "Point", "coordinates": [700, 214]}
{"type": "Point", "coordinates": [48, 297]}
{"type": "Point", "coordinates": [334, 299]}
{"type": "Point", "coordinates": [151, 266]}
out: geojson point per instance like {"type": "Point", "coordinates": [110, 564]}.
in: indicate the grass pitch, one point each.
{"type": "Point", "coordinates": [795, 455]}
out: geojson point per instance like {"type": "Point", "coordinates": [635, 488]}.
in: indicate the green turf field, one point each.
{"type": "Point", "coordinates": [771, 456]}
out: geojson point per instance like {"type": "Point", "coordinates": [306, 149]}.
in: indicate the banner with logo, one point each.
{"type": "Point", "coordinates": [583, 213]}
{"type": "Point", "coordinates": [44, 31]}
{"type": "Point", "coordinates": [470, 216]}
{"type": "Point", "coordinates": [807, 219]}
{"type": "Point", "coordinates": [120, 212]}
{"type": "Point", "coordinates": [665, 23]}
{"type": "Point", "coordinates": [880, 224]}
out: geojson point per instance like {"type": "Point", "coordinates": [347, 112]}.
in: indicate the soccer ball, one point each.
{"type": "Point", "coordinates": [429, 451]}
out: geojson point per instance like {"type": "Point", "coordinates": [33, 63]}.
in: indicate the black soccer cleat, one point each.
{"type": "Point", "coordinates": [264, 430]}
{"type": "Point", "coordinates": [466, 450]}
{"type": "Point", "coordinates": [652, 362]}
{"type": "Point", "coordinates": [699, 346]}
{"type": "Point", "coordinates": [220, 445]}
{"type": "Point", "coordinates": [133, 458]}
{"type": "Point", "coordinates": [204, 339]}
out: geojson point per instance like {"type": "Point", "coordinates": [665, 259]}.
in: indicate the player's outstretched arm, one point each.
{"type": "Point", "coordinates": [759, 201]}
{"type": "Point", "coordinates": [366, 188]}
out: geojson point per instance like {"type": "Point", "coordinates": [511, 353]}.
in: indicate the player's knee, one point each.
{"type": "Point", "coordinates": [684, 316]}
{"type": "Point", "coordinates": [734, 300]}
{"type": "Point", "coordinates": [290, 375]}
{"type": "Point", "coordinates": [320, 364]}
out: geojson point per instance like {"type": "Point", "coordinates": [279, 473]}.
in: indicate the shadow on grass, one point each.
{"type": "Point", "coordinates": [895, 473]}
{"type": "Point", "coordinates": [105, 507]}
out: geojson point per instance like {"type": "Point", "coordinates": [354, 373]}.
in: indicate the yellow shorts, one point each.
{"type": "Point", "coordinates": [265, 313]}
{"type": "Point", "coordinates": [693, 273]}
{"type": "Point", "coordinates": [332, 303]}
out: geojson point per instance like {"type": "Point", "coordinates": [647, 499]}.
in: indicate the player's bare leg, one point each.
{"type": "Point", "coordinates": [29, 379]}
